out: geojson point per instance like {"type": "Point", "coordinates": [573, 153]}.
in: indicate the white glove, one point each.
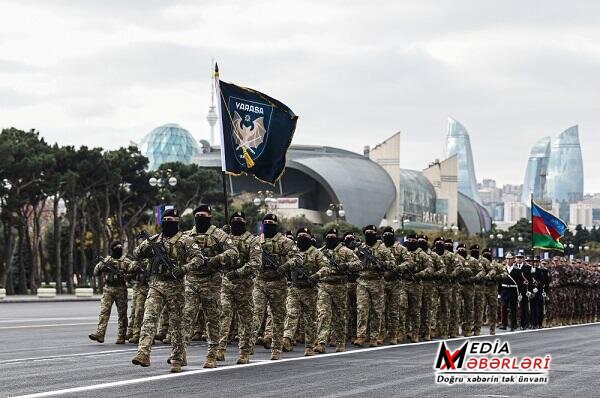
{"type": "Point", "coordinates": [544, 294]}
{"type": "Point", "coordinates": [528, 294]}
{"type": "Point", "coordinates": [498, 296]}
{"type": "Point", "coordinates": [520, 297]}
{"type": "Point", "coordinates": [535, 289]}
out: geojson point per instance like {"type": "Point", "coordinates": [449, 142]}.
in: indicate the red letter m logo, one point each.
{"type": "Point", "coordinates": [450, 361]}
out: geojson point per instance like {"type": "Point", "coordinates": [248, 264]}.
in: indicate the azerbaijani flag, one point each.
{"type": "Point", "coordinates": [546, 229]}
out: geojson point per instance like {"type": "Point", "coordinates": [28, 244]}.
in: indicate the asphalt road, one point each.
{"type": "Point", "coordinates": [44, 350]}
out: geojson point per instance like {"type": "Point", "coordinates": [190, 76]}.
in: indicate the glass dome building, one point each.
{"type": "Point", "coordinates": [169, 143]}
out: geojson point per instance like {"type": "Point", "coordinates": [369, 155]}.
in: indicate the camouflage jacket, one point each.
{"type": "Point", "coordinates": [400, 254]}
{"type": "Point", "coordinates": [417, 267]}
{"type": "Point", "coordinates": [281, 251]}
{"type": "Point", "coordinates": [341, 261]}
{"type": "Point", "coordinates": [493, 270]}
{"type": "Point", "coordinates": [385, 260]}
{"type": "Point", "coordinates": [440, 272]}
{"type": "Point", "coordinates": [113, 270]}
{"type": "Point", "coordinates": [214, 243]}
{"type": "Point", "coordinates": [477, 269]}
{"type": "Point", "coordinates": [185, 255]}
{"type": "Point", "coordinates": [312, 261]}
{"type": "Point", "coordinates": [250, 255]}
{"type": "Point", "coordinates": [454, 265]}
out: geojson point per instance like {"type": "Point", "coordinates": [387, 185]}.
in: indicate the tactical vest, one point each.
{"type": "Point", "coordinates": [275, 249]}
{"type": "Point", "coordinates": [243, 243]}
{"type": "Point", "coordinates": [115, 275]}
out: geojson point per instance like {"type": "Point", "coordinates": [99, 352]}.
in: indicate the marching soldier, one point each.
{"type": "Point", "coordinates": [427, 297]}
{"type": "Point", "coordinates": [524, 283]}
{"type": "Point", "coordinates": [375, 260]}
{"type": "Point", "coordinates": [141, 281]}
{"type": "Point", "coordinates": [465, 278]}
{"type": "Point", "coordinates": [494, 272]}
{"type": "Point", "coordinates": [395, 291]}
{"type": "Point", "coordinates": [536, 289]}
{"type": "Point", "coordinates": [413, 270]}
{"type": "Point", "coordinates": [203, 285]}
{"type": "Point", "coordinates": [302, 293]}
{"type": "Point", "coordinates": [270, 287]}
{"type": "Point", "coordinates": [236, 292]}
{"type": "Point", "coordinates": [333, 292]}
{"type": "Point", "coordinates": [441, 287]}
{"type": "Point", "coordinates": [113, 269]}
{"type": "Point", "coordinates": [454, 267]}
{"type": "Point", "coordinates": [510, 293]}
{"type": "Point", "coordinates": [349, 241]}
{"type": "Point", "coordinates": [172, 254]}
{"type": "Point", "coordinates": [478, 288]}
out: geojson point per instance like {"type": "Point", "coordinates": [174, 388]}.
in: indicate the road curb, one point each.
{"type": "Point", "coordinates": [48, 300]}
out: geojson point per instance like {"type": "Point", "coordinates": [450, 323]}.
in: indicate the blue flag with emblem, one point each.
{"type": "Point", "coordinates": [256, 131]}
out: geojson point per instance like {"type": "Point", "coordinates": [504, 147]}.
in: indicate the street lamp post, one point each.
{"type": "Point", "coordinates": [163, 179]}
{"type": "Point", "coordinates": [499, 237]}
{"type": "Point", "coordinates": [338, 210]}
{"type": "Point", "coordinates": [265, 201]}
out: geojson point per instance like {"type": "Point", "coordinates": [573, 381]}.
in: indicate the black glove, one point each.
{"type": "Point", "coordinates": [313, 279]}
{"type": "Point", "coordinates": [178, 272]}
{"type": "Point", "coordinates": [233, 274]}
{"type": "Point", "coordinates": [281, 271]}
{"type": "Point", "coordinates": [214, 262]}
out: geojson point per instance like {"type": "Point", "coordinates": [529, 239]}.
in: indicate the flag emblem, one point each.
{"type": "Point", "coordinates": [251, 123]}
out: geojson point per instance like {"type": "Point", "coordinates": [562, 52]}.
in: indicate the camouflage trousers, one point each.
{"type": "Point", "coordinates": [110, 295]}
{"type": "Point", "coordinates": [443, 291]}
{"type": "Point", "coordinates": [301, 302]}
{"type": "Point", "coordinates": [203, 293]}
{"type": "Point", "coordinates": [394, 308]}
{"type": "Point", "coordinates": [414, 293]}
{"type": "Point", "coordinates": [455, 299]}
{"type": "Point", "coordinates": [139, 302]}
{"type": "Point", "coordinates": [468, 299]}
{"type": "Point", "coordinates": [134, 291]}
{"type": "Point", "coordinates": [479, 305]}
{"type": "Point", "coordinates": [331, 312]}
{"type": "Point", "coordinates": [272, 294]}
{"type": "Point", "coordinates": [351, 311]}
{"type": "Point", "coordinates": [164, 327]}
{"type": "Point", "coordinates": [236, 297]}
{"type": "Point", "coordinates": [428, 306]}
{"type": "Point", "coordinates": [369, 307]}
{"type": "Point", "coordinates": [162, 293]}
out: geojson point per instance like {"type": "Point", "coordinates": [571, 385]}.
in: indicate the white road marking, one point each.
{"type": "Point", "coordinates": [24, 320]}
{"type": "Point", "coordinates": [265, 363]}
{"type": "Point", "coordinates": [51, 325]}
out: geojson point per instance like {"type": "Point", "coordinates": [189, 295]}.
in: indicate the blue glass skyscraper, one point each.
{"type": "Point", "coordinates": [564, 184]}
{"type": "Point", "coordinates": [458, 143]}
{"type": "Point", "coordinates": [168, 143]}
{"type": "Point", "coordinates": [537, 170]}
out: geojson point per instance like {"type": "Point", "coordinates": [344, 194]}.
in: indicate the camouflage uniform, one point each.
{"type": "Point", "coordinates": [428, 303]}
{"type": "Point", "coordinates": [494, 272]}
{"type": "Point", "coordinates": [115, 290]}
{"type": "Point", "coordinates": [440, 309]}
{"type": "Point", "coordinates": [413, 270]}
{"type": "Point", "coordinates": [370, 290]}
{"type": "Point", "coordinates": [166, 289]}
{"type": "Point", "coordinates": [396, 301]}
{"type": "Point", "coordinates": [478, 294]}
{"type": "Point", "coordinates": [333, 292]}
{"type": "Point", "coordinates": [236, 293]}
{"type": "Point", "coordinates": [454, 266]}
{"type": "Point", "coordinates": [467, 286]}
{"type": "Point", "coordinates": [203, 284]}
{"type": "Point", "coordinates": [138, 302]}
{"type": "Point", "coordinates": [270, 286]}
{"type": "Point", "coordinates": [302, 296]}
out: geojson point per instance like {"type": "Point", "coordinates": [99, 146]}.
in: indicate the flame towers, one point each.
{"type": "Point", "coordinates": [537, 170]}
{"type": "Point", "coordinates": [458, 143]}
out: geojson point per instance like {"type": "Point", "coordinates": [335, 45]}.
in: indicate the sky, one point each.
{"type": "Point", "coordinates": [104, 73]}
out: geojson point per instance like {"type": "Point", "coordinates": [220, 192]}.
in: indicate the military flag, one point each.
{"type": "Point", "coordinates": [546, 229]}
{"type": "Point", "coordinates": [256, 131]}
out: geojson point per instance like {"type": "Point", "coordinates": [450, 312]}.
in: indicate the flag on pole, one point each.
{"type": "Point", "coordinates": [256, 131]}
{"type": "Point", "coordinates": [546, 229]}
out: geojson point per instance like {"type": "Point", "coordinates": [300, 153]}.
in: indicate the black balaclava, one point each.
{"type": "Point", "coordinates": [422, 242]}
{"type": "Point", "coordinates": [270, 229]}
{"type": "Point", "coordinates": [116, 249]}
{"type": "Point", "coordinates": [170, 228]}
{"type": "Point", "coordinates": [388, 237]}
{"type": "Point", "coordinates": [449, 245]}
{"type": "Point", "coordinates": [303, 239]}
{"type": "Point", "coordinates": [439, 247]}
{"type": "Point", "coordinates": [350, 242]}
{"type": "Point", "coordinates": [202, 221]}
{"type": "Point", "coordinates": [238, 223]}
{"type": "Point", "coordinates": [462, 250]}
{"type": "Point", "coordinates": [487, 255]}
{"type": "Point", "coordinates": [331, 239]}
{"type": "Point", "coordinates": [411, 242]}
{"type": "Point", "coordinates": [370, 232]}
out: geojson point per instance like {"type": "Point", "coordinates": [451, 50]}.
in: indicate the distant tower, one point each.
{"type": "Point", "coordinates": [212, 115]}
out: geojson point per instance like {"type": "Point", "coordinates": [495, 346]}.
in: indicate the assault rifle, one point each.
{"type": "Point", "coordinates": [268, 261]}
{"type": "Point", "coordinates": [300, 272]}
{"type": "Point", "coordinates": [160, 257]}
{"type": "Point", "coordinates": [369, 259]}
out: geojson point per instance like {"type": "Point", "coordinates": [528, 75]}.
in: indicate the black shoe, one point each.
{"type": "Point", "coordinates": [502, 327]}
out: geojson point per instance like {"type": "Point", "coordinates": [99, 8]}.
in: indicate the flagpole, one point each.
{"type": "Point", "coordinates": [223, 167]}
{"type": "Point", "coordinates": [531, 216]}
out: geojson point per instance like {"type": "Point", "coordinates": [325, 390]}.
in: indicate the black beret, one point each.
{"type": "Point", "coordinates": [486, 250]}
{"type": "Point", "coordinates": [461, 246]}
{"type": "Point", "coordinates": [203, 208]}
{"type": "Point", "coordinates": [303, 230]}
{"type": "Point", "coordinates": [422, 237]}
{"type": "Point", "coordinates": [170, 213]}
{"type": "Point", "coordinates": [448, 240]}
{"type": "Point", "coordinates": [369, 228]}
{"type": "Point", "coordinates": [387, 229]}
{"type": "Point", "coordinates": [330, 231]}
{"type": "Point", "coordinates": [349, 234]}
{"type": "Point", "coordinates": [238, 214]}
{"type": "Point", "coordinates": [115, 243]}
{"type": "Point", "coordinates": [270, 217]}
{"type": "Point", "coordinates": [474, 247]}
{"type": "Point", "coordinates": [411, 236]}
{"type": "Point", "coordinates": [438, 239]}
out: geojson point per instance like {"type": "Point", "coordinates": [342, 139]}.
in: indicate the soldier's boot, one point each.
{"type": "Point", "coordinates": [443, 336]}
{"type": "Point", "coordinates": [220, 354]}
{"type": "Point", "coordinates": [373, 343]}
{"type": "Point", "coordinates": [275, 355]}
{"type": "Point", "coordinates": [414, 337]}
{"type": "Point", "coordinates": [493, 330]}
{"type": "Point", "coordinates": [400, 336]}
{"type": "Point", "coordinates": [160, 336]}
{"type": "Point", "coordinates": [340, 347]}
{"type": "Point", "coordinates": [134, 340]}
{"type": "Point", "coordinates": [211, 362]}
{"type": "Point", "coordinates": [393, 338]}
{"type": "Point", "coordinates": [252, 350]}
{"type": "Point", "coordinates": [427, 336]}
{"type": "Point", "coordinates": [141, 359]}
{"type": "Point", "coordinates": [120, 340]}
{"type": "Point", "coordinates": [332, 343]}
{"type": "Point", "coordinates": [203, 337]}
{"type": "Point", "coordinates": [360, 341]}
{"type": "Point", "coordinates": [129, 334]}
{"type": "Point", "coordinates": [409, 335]}
{"type": "Point", "coordinates": [476, 332]}
{"type": "Point", "coordinates": [167, 339]}
{"type": "Point", "coordinates": [96, 337]}
{"type": "Point", "coordinates": [466, 333]}
{"type": "Point", "coordinates": [197, 336]}
{"type": "Point", "coordinates": [243, 359]}
{"type": "Point", "coordinates": [380, 338]}
{"type": "Point", "coordinates": [309, 352]}
{"type": "Point", "coordinates": [287, 344]}
{"type": "Point", "coordinates": [260, 340]}
{"type": "Point", "coordinates": [183, 362]}
{"type": "Point", "coordinates": [320, 348]}
{"type": "Point", "coordinates": [268, 341]}
{"type": "Point", "coordinates": [175, 367]}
